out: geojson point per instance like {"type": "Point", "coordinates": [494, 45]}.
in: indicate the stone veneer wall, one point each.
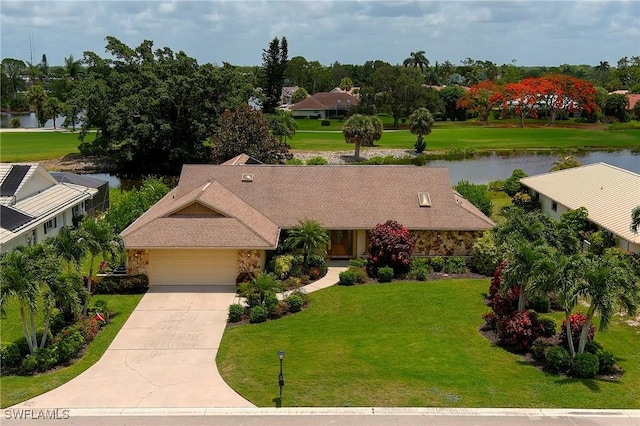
{"type": "Point", "coordinates": [137, 262]}
{"type": "Point", "coordinates": [249, 261]}
{"type": "Point", "coordinates": [444, 243]}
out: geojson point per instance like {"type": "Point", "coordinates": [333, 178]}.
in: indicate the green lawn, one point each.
{"type": "Point", "coordinates": [408, 344]}
{"type": "Point", "coordinates": [38, 145]}
{"type": "Point", "coordinates": [15, 389]}
{"type": "Point", "coordinates": [480, 138]}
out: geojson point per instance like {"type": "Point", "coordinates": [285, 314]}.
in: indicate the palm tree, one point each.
{"type": "Point", "coordinates": [98, 238]}
{"type": "Point", "coordinates": [564, 275]}
{"type": "Point", "coordinates": [37, 97]}
{"type": "Point", "coordinates": [67, 245]}
{"type": "Point", "coordinates": [635, 220]}
{"type": "Point", "coordinates": [525, 269]}
{"type": "Point", "coordinates": [72, 67]}
{"type": "Point", "coordinates": [25, 274]}
{"type": "Point", "coordinates": [53, 108]}
{"type": "Point", "coordinates": [420, 122]}
{"type": "Point", "coordinates": [308, 235]}
{"type": "Point", "coordinates": [359, 130]}
{"type": "Point", "coordinates": [417, 59]}
{"type": "Point", "coordinates": [609, 283]}
{"type": "Point", "coordinates": [602, 69]}
{"type": "Point", "coordinates": [282, 125]}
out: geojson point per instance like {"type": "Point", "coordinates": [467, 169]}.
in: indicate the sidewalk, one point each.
{"type": "Point", "coordinates": [331, 278]}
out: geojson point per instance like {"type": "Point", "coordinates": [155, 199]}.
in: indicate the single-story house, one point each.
{"type": "Point", "coordinates": [324, 105]}
{"type": "Point", "coordinates": [609, 193]}
{"type": "Point", "coordinates": [34, 205]}
{"type": "Point", "coordinates": [100, 202]}
{"type": "Point", "coordinates": [221, 220]}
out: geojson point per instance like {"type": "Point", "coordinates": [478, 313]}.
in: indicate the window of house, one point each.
{"type": "Point", "coordinates": [50, 224]}
{"type": "Point", "coordinates": [75, 211]}
{"type": "Point", "coordinates": [554, 206]}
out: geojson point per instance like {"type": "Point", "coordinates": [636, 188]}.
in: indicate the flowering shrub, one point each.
{"type": "Point", "coordinates": [88, 328]}
{"type": "Point", "coordinates": [391, 244]}
{"type": "Point", "coordinates": [519, 330]}
{"type": "Point", "coordinates": [577, 321]}
{"type": "Point", "coordinates": [502, 305]}
{"type": "Point", "coordinates": [491, 319]}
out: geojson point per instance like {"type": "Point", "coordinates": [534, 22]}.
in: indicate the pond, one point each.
{"type": "Point", "coordinates": [480, 169]}
{"type": "Point", "coordinates": [28, 121]}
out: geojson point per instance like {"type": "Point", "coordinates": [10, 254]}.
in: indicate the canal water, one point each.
{"type": "Point", "coordinates": [483, 169]}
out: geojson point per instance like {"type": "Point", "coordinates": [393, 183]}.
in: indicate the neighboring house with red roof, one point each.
{"type": "Point", "coordinates": [224, 219]}
{"type": "Point", "coordinates": [324, 105]}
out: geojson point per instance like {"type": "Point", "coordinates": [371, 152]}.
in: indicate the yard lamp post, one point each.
{"type": "Point", "coordinates": [281, 377]}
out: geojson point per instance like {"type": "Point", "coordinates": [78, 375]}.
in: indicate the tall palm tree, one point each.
{"type": "Point", "coordinates": [635, 220]}
{"type": "Point", "coordinates": [309, 235]}
{"type": "Point", "coordinates": [602, 69]}
{"type": "Point", "coordinates": [525, 269]}
{"type": "Point", "coordinates": [13, 69]}
{"type": "Point", "coordinates": [72, 67]}
{"type": "Point", "coordinates": [420, 122]}
{"type": "Point", "coordinates": [25, 274]}
{"type": "Point", "coordinates": [98, 239]}
{"type": "Point", "coordinates": [37, 97]}
{"type": "Point", "coordinates": [359, 130]}
{"type": "Point", "coordinates": [609, 284]}
{"type": "Point", "coordinates": [67, 245]}
{"type": "Point", "coordinates": [417, 60]}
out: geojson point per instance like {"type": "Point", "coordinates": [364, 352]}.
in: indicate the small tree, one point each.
{"type": "Point", "coordinates": [53, 109]}
{"type": "Point", "coordinates": [635, 220]}
{"type": "Point", "coordinates": [476, 194]}
{"type": "Point", "coordinates": [245, 131]}
{"type": "Point", "coordinates": [359, 130]}
{"type": "Point", "coordinates": [565, 162]}
{"type": "Point", "coordinates": [391, 244]}
{"type": "Point", "coordinates": [420, 123]}
{"type": "Point", "coordinates": [282, 125]}
{"type": "Point", "coordinates": [299, 95]}
{"type": "Point", "coordinates": [309, 235]}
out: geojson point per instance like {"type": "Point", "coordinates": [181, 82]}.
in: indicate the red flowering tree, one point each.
{"type": "Point", "coordinates": [566, 93]}
{"type": "Point", "coordinates": [391, 244]}
{"type": "Point", "coordinates": [522, 97]}
{"type": "Point", "coordinates": [481, 99]}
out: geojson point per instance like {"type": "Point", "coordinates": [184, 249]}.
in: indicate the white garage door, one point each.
{"type": "Point", "coordinates": [192, 267]}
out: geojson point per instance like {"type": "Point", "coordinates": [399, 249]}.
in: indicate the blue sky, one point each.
{"type": "Point", "coordinates": [537, 32]}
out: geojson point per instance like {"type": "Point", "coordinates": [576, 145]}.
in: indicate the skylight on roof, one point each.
{"type": "Point", "coordinates": [424, 200]}
{"type": "Point", "coordinates": [247, 177]}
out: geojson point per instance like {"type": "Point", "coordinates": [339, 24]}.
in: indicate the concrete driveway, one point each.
{"type": "Point", "coordinates": [164, 356]}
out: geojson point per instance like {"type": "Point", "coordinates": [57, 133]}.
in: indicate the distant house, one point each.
{"type": "Point", "coordinates": [324, 105]}
{"type": "Point", "coordinates": [224, 219]}
{"type": "Point", "coordinates": [34, 205]}
{"type": "Point", "coordinates": [609, 194]}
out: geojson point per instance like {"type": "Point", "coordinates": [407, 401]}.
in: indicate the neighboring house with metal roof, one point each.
{"type": "Point", "coordinates": [223, 219]}
{"type": "Point", "coordinates": [100, 202]}
{"type": "Point", "coordinates": [34, 205]}
{"type": "Point", "coordinates": [324, 105]}
{"type": "Point", "coordinates": [609, 193]}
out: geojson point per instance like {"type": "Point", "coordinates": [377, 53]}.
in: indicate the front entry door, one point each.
{"type": "Point", "coordinates": [340, 243]}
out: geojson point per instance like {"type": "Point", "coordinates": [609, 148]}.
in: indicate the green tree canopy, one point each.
{"type": "Point", "coordinates": [274, 64]}
{"type": "Point", "coordinates": [246, 131]}
{"type": "Point", "coordinates": [153, 110]}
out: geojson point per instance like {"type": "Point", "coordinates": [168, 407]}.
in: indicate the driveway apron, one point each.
{"type": "Point", "coordinates": [164, 356]}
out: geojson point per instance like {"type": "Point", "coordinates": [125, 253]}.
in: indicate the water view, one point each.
{"type": "Point", "coordinates": [482, 169]}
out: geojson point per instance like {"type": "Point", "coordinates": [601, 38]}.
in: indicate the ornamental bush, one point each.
{"type": "Point", "coordinates": [385, 274]}
{"type": "Point", "coordinates": [317, 161]}
{"type": "Point", "coordinates": [540, 304]}
{"type": "Point", "coordinates": [10, 356]}
{"type": "Point", "coordinates": [519, 330]}
{"type": "Point", "coordinates": [557, 359]}
{"type": "Point", "coordinates": [548, 327]}
{"type": "Point", "coordinates": [455, 265]}
{"type": "Point", "coordinates": [585, 365]}
{"type": "Point", "coordinates": [319, 263]}
{"type": "Point", "coordinates": [391, 244]}
{"type": "Point", "coordinates": [258, 314]}
{"type": "Point", "coordinates": [282, 265]}
{"type": "Point", "coordinates": [577, 321]}
{"type": "Point", "coordinates": [295, 303]}
{"type": "Point", "coordinates": [484, 255]}
{"type": "Point", "coordinates": [68, 345]}
{"type": "Point", "coordinates": [437, 263]}
{"type": "Point", "coordinates": [539, 347]}
{"type": "Point", "coordinates": [236, 312]}
{"type": "Point", "coordinates": [357, 263]}
{"type": "Point", "coordinates": [128, 284]}
{"type": "Point", "coordinates": [347, 277]}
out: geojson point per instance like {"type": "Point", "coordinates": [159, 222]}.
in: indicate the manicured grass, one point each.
{"type": "Point", "coordinates": [480, 138]}
{"type": "Point", "coordinates": [499, 199]}
{"type": "Point", "coordinates": [38, 145]}
{"type": "Point", "coordinates": [408, 344]}
{"type": "Point", "coordinates": [15, 389]}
